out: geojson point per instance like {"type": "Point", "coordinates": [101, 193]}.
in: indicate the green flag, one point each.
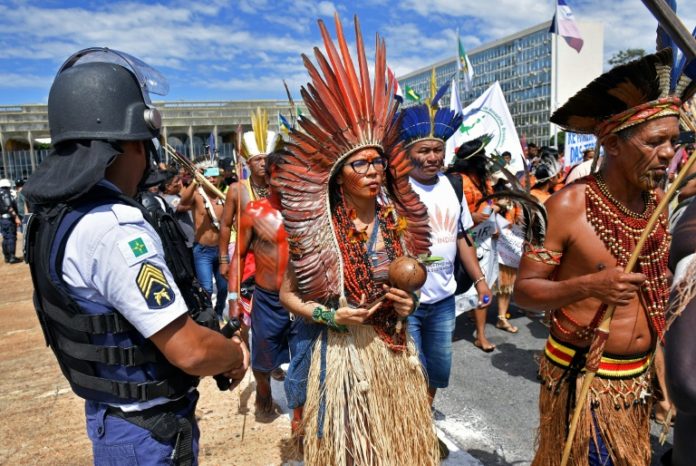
{"type": "Point", "coordinates": [464, 64]}
{"type": "Point", "coordinates": [411, 94]}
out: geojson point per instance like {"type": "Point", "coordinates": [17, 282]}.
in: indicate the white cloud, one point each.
{"type": "Point", "coordinates": [248, 46]}
{"type": "Point", "coordinates": [27, 81]}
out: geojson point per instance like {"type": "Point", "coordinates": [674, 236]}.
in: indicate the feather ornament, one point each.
{"type": "Point", "coordinates": [259, 140]}
{"type": "Point", "coordinates": [423, 122]}
{"type": "Point", "coordinates": [620, 89]}
{"type": "Point", "coordinates": [535, 218]}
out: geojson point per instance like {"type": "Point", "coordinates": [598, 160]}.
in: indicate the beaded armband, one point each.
{"type": "Point", "coordinates": [541, 254]}
{"type": "Point", "coordinates": [322, 315]}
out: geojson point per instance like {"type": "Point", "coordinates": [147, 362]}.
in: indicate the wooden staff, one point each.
{"type": "Point", "coordinates": [189, 167]}
{"type": "Point", "coordinates": [237, 253]}
{"type": "Point", "coordinates": [601, 334]}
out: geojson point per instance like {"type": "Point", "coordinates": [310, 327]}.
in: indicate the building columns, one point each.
{"type": "Point", "coordinates": [32, 154]}
{"type": "Point", "coordinates": [5, 162]}
{"type": "Point", "coordinates": [190, 140]}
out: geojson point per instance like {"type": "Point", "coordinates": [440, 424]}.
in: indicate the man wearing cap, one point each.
{"type": "Point", "coordinates": [9, 221]}
{"type": "Point", "coordinates": [593, 227]}
{"type": "Point", "coordinates": [108, 304]}
{"type": "Point", "coordinates": [206, 208]}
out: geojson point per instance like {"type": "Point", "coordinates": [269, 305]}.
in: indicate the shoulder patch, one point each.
{"type": "Point", "coordinates": [154, 287]}
{"type": "Point", "coordinates": [136, 248]}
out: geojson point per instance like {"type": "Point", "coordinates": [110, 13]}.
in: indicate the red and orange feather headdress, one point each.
{"type": "Point", "coordinates": [348, 113]}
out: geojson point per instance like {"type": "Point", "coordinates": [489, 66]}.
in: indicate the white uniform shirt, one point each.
{"type": "Point", "coordinates": [114, 257]}
{"type": "Point", "coordinates": [447, 219]}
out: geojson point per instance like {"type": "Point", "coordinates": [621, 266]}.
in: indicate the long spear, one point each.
{"type": "Point", "coordinates": [189, 167]}
{"type": "Point", "coordinates": [674, 27]}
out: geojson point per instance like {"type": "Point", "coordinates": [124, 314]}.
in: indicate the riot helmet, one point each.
{"type": "Point", "coordinates": [99, 97]}
{"type": "Point", "coordinates": [103, 94]}
{"type": "Point", "coordinates": [5, 183]}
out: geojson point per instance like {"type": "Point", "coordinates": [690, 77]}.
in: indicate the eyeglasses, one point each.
{"type": "Point", "coordinates": [361, 167]}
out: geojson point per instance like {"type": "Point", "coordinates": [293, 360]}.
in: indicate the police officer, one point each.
{"type": "Point", "coordinates": [9, 221]}
{"type": "Point", "coordinates": [108, 304]}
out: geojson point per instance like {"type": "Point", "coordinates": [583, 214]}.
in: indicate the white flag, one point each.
{"type": "Point", "coordinates": [455, 105]}
{"type": "Point", "coordinates": [489, 114]}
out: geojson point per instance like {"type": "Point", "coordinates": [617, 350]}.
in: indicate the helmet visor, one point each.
{"type": "Point", "coordinates": [150, 80]}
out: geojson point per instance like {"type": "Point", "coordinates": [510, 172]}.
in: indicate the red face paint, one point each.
{"type": "Point", "coordinates": [367, 184]}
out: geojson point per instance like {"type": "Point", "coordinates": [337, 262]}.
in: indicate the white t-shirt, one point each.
{"type": "Point", "coordinates": [447, 219]}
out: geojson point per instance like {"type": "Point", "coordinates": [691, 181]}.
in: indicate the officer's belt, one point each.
{"type": "Point", "coordinates": [164, 425]}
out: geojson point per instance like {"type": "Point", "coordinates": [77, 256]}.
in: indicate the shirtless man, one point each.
{"type": "Point", "coordinates": [593, 226]}
{"type": "Point", "coordinates": [262, 231]}
{"type": "Point", "coordinates": [251, 189]}
{"type": "Point", "coordinates": [255, 145]}
{"type": "Point", "coordinates": [206, 208]}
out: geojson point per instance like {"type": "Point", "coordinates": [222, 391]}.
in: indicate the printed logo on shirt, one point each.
{"type": "Point", "coordinates": [444, 226]}
{"type": "Point", "coordinates": [154, 286]}
{"type": "Point", "coordinates": [136, 249]}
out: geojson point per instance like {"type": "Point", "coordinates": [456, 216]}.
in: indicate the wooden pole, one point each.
{"type": "Point", "coordinates": [602, 332]}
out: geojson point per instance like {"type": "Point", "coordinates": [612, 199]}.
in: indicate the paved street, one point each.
{"type": "Point", "coordinates": [490, 408]}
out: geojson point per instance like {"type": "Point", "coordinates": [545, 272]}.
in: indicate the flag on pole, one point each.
{"type": "Point", "coordinates": [211, 147]}
{"type": "Point", "coordinates": [563, 23]}
{"type": "Point", "coordinates": [283, 123]}
{"type": "Point", "coordinates": [455, 106]}
{"type": "Point", "coordinates": [391, 77]}
{"type": "Point", "coordinates": [455, 102]}
{"type": "Point", "coordinates": [464, 65]}
{"type": "Point", "coordinates": [411, 94]}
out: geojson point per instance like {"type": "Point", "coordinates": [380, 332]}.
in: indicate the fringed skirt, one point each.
{"type": "Point", "coordinates": [506, 280]}
{"type": "Point", "coordinates": [366, 404]}
{"type": "Point", "coordinates": [619, 407]}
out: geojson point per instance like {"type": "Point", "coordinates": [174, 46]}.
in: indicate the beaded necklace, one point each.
{"type": "Point", "coordinates": [259, 191]}
{"type": "Point", "coordinates": [358, 266]}
{"type": "Point", "coordinates": [619, 229]}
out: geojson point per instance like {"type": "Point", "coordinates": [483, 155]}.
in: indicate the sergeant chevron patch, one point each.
{"type": "Point", "coordinates": [154, 286]}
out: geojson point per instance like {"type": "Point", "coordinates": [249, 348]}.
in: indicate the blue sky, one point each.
{"type": "Point", "coordinates": [242, 49]}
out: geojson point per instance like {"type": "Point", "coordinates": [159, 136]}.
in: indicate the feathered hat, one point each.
{"type": "Point", "coordinates": [548, 166]}
{"type": "Point", "coordinates": [473, 147]}
{"type": "Point", "coordinates": [428, 121]}
{"type": "Point", "coordinates": [626, 96]}
{"type": "Point", "coordinates": [348, 114]}
{"type": "Point", "coordinates": [259, 141]}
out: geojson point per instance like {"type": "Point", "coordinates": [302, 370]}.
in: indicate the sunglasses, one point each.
{"type": "Point", "coordinates": [361, 167]}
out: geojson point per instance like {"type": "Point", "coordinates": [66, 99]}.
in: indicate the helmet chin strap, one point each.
{"type": "Point", "coordinates": [151, 163]}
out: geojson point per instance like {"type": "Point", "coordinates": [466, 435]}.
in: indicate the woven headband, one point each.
{"type": "Point", "coordinates": [663, 107]}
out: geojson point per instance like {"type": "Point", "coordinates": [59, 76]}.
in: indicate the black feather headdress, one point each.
{"type": "Point", "coordinates": [625, 96]}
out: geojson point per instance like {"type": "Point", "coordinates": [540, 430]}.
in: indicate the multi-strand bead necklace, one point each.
{"type": "Point", "coordinates": [358, 273]}
{"type": "Point", "coordinates": [619, 228]}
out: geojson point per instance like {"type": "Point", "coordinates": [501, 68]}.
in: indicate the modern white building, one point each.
{"type": "Point", "coordinates": [537, 71]}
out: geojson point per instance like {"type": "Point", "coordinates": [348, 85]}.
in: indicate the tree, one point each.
{"type": "Point", "coordinates": [624, 56]}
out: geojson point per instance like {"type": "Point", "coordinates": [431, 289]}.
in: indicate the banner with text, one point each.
{"type": "Point", "coordinates": [575, 145]}
{"type": "Point", "coordinates": [489, 114]}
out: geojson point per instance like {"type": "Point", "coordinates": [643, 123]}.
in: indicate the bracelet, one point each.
{"type": "Point", "coordinates": [322, 315]}
{"type": "Point", "coordinates": [479, 280]}
{"type": "Point", "coordinates": [224, 259]}
{"type": "Point", "coordinates": [232, 296]}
